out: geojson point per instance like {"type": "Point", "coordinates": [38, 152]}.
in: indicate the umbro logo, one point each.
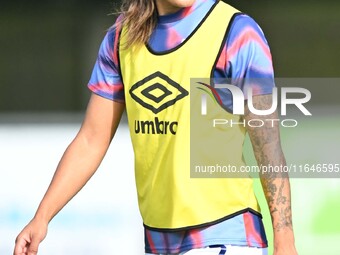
{"type": "Point", "coordinates": [157, 92]}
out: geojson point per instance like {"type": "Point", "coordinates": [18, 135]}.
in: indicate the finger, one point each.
{"type": "Point", "coordinates": [20, 245]}
{"type": "Point", "coordinates": [33, 247]}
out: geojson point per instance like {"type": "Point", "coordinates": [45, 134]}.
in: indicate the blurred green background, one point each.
{"type": "Point", "coordinates": [48, 49]}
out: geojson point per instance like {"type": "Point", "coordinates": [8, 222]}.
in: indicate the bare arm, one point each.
{"type": "Point", "coordinates": [267, 149]}
{"type": "Point", "coordinates": [79, 162]}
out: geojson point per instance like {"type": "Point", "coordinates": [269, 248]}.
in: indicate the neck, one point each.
{"type": "Point", "coordinates": [165, 8]}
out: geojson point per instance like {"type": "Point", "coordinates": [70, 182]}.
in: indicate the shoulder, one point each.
{"type": "Point", "coordinates": [109, 45]}
{"type": "Point", "coordinates": [114, 31]}
{"type": "Point", "coordinates": [247, 50]}
{"type": "Point", "coordinates": [244, 26]}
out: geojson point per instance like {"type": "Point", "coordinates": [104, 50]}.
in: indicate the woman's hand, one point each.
{"type": "Point", "coordinates": [79, 162]}
{"type": "Point", "coordinates": [27, 242]}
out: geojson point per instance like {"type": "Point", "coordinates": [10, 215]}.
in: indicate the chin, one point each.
{"type": "Point", "coordinates": [182, 3]}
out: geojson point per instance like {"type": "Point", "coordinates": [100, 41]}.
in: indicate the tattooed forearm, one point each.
{"type": "Point", "coordinates": [267, 150]}
{"type": "Point", "coordinates": [278, 196]}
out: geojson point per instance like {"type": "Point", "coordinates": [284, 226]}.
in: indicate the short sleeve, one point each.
{"type": "Point", "coordinates": [248, 57]}
{"type": "Point", "coordinates": [105, 80]}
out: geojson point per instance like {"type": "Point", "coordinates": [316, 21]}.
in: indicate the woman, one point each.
{"type": "Point", "coordinates": [144, 65]}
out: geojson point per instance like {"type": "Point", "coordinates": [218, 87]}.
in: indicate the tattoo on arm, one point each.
{"type": "Point", "coordinates": [267, 150]}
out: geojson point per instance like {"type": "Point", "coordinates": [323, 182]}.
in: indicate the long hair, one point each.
{"type": "Point", "coordinates": [140, 18]}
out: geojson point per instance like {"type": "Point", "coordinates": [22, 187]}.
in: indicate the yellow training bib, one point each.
{"type": "Point", "coordinates": [157, 95]}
